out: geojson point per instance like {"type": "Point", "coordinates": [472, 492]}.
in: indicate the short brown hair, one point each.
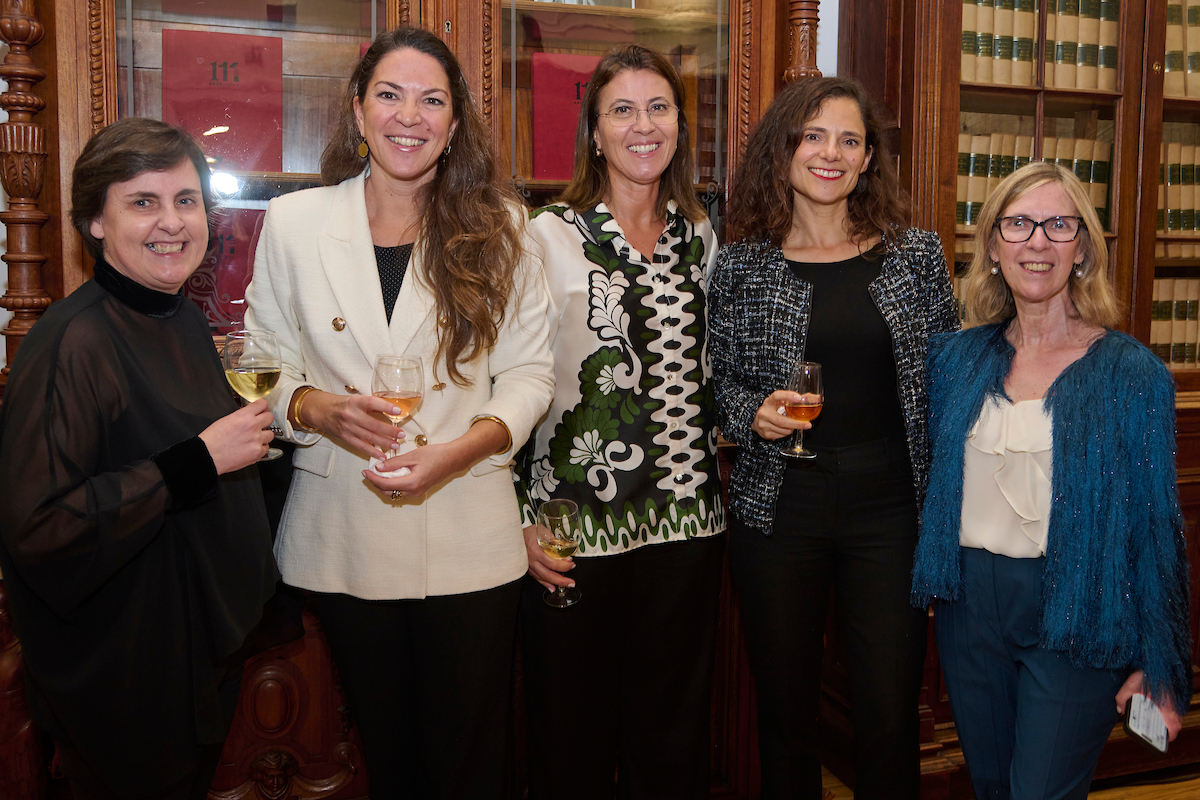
{"type": "Point", "coordinates": [589, 184]}
{"type": "Point", "coordinates": [760, 199]}
{"type": "Point", "coordinates": [121, 152]}
{"type": "Point", "coordinates": [987, 298]}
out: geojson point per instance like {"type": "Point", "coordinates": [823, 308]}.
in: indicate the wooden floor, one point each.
{"type": "Point", "coordinates": [1185, 790]}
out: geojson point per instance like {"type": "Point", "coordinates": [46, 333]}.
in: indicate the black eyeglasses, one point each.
{"type": "Point", "coordinates": [1057, 229]}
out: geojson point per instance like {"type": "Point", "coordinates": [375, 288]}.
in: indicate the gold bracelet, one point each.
{"type": "Point", "coordinates": [296, 410]}
{"type": "Point", "coordinates": [499, 422]}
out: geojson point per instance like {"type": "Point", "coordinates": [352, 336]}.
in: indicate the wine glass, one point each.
{"type": "Point", "coordinates": [252, 367]}
{"type": "Point", "coordinates": [558, 532]}
{"type": "Point", "coordinates": [805, 381]}
{"type": "Point", "coordinates": [401, 381]}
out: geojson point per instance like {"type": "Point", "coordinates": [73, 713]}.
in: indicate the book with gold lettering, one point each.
{"type": "Point", "coordinates": [1024, 151]}
{"type": "Point", "coordinates": [1088, 56]}
{"type": "Point", "coordinates": [1174, 63]}
{"type": "Point", "coordinates": [1179, 322]}
{"type": "Point", "coordinates": [1065, 155]}
{"type": "Point", "coordinates": [1024, 34]}
{"type": "Point", "coordinates": [1098, 185]}
{"type": "Point", "coordinates": [964, 172]}
{"type": "Point", "coordinates": [977, 177]}
{"type": "Point", "coordinates": [969, 43]}
{"type": "Point", "coordinates": [985, 14]}
{"type": "Point", "coordinates": [1066, 46]}
{"type": "Point", "coordinates": [1156, 334]}
{"type": "Point", "coordinates": [1192, 47]}
{"type": "Point", "coordinates": [1049, 46]}
{"type": "Point", "coordinates": [1002, 47]}
{"type": "Point", "coordinates": [1081, 160]}
{"type": "Point", "coordinates": [1191, 331]}
{"type": "Point", "coordinates": [1174, 196]}
{"type": "Point", "coordinates": [1187, 197]}
{"type": "Point", "coordinates": [1110, 33]}
{"type": "Point", "coordinates": [1049, 148]}
{"type": "Point", "coordinates": [559, 81]}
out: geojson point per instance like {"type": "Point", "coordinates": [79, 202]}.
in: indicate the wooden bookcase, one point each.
{"type": "Point", "coordinates": [928, 104]}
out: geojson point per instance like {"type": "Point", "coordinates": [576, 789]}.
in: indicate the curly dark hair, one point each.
{"type": "Point", "coordinates": [470, 237]}
{"type": "Point", "coordinates": [589, 184]}
{"type": "Point", "coordinates": [121, 152]}
{"type": "Point", "coordinates": [760, 198]}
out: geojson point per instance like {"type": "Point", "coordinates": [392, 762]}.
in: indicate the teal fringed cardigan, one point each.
{"type": "Point", "coordinates": [1115, 586]}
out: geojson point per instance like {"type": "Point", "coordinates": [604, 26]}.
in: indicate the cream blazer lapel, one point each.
{"type": "Point", "coordinates": [348, 259]}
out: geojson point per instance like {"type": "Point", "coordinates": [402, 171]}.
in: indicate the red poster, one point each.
{"type": "Point", "coordinates": [559, 83]}
{"type": "Point", "coordinates": [226, 89]}
{"type": "Point", "coordinates": [219, 285]}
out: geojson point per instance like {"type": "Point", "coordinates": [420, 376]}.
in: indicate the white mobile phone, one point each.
{"type": "Point", "coordinates": [1144, 721]}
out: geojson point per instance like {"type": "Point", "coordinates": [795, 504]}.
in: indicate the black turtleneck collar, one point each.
{"type": "Point", "coordinates": [140, 298]}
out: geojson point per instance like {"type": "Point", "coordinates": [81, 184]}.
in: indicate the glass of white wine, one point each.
{"type": "Point", "coordinates": [558, 532]}
{"type": "Point", "coordinates": [805, 381]}
{"type": "Point", "coordinates": [401, 381]}
{"type": "Point", "coordinates": [252, 367]}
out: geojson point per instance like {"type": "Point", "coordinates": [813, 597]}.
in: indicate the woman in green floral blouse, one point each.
{"type": "Point", "coordinates": [630, 438]}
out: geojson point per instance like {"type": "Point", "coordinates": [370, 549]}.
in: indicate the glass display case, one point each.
{"type": "Point", "coordinates": [550, 50]}
{"type": "Point", "coordinates": [258, 83]}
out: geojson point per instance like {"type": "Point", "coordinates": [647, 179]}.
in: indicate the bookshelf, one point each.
{"type": "Point", "coordinates": [1114, 95]}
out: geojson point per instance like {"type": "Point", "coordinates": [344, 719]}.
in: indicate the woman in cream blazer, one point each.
{"type": "Point", "coordinates": [415, 577]}
{"type": "Point", "coordinates": [315, 285]}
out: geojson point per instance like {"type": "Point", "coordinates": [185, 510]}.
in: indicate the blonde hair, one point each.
{"type": "Point", "coordinates": [987, 298]}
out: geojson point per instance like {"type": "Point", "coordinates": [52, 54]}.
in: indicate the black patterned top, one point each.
{"type": "Point", "coordinates": [630, 435]}
{"type": "Point", "coordinates": [392, 263]}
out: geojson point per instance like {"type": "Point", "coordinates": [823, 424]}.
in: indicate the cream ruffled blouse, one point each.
{"type": "Point", "coordinates": [1006, 480]}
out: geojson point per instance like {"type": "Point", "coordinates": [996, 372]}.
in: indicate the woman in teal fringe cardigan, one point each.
{"type": "Point", "coordinates": [1051, 538]}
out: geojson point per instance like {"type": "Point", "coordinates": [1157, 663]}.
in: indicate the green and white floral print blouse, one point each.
{"type": "Point", "coordinates": [630, 435]}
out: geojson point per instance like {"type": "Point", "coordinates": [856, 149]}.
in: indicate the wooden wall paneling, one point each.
{"type": "Point", "coordinates": [929, 135]}
{"type": "Point", "coordinates": [22, 161]}
{"type": "Point", "coordinates": [1146, 159]}
{"type": "Point", "coordinates": [1126, 262]}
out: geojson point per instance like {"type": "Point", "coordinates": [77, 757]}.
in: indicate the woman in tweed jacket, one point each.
{"type": "Point", "coordinates": [823, 268]}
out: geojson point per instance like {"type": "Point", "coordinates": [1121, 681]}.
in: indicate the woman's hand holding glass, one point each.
{"type": "Point", "coordinates": [356, 419]}
{"type": "Point", "coordinates": [237, 440]}
{"type": "Point", "coordinates": [772, 422]}
{"type": "Point", "coordinates": [546, 569]}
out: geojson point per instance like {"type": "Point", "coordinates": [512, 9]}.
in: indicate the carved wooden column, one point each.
{"type": "Point", "coordinates": [22, 158]}
{"type": "Point", "coordinates": [803, 16]}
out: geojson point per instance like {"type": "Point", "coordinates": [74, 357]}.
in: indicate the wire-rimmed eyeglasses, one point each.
{"type": "Point", "coordinates": [659, 113]}
{"type": "Point", "coordinates": [1057, 229]}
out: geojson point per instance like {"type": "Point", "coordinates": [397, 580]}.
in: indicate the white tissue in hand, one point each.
{"type": "Point", "coordinates": [396, 473]}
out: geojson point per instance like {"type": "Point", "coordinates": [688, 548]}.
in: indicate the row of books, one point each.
{"type": "Point", "coordinates": [1179, 193]}
{"type": "Point", "coordinates": [1081, 44]}
{"type": "Point", "coordinates": [1181, 67]}
{"type": "Point", "coordinates": [985, 160]}
{"type": "Point", "coordinates": [1175, 321]}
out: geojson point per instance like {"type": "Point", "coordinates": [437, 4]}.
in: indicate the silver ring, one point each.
{"type": "Point", "coordinates": [397, 494]}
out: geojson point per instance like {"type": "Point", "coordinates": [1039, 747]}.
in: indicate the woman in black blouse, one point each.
{"type": "Point", "coordinates": [133, 537]}
{"type": "Point", "coordinates": [824, 268]}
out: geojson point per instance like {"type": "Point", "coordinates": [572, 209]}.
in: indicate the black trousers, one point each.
{"type": "Point", "coordinates": [845, 521]}
{"type": "Point", "coordinates": [619, 686]}
{"type": "Point", "coordinates": [429, 684]}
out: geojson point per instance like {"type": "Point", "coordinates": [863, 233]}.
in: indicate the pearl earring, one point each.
{"type": "Point", "coordinates": [995, 268]}
{"type": "Point", "coordinates": [1079, 270]}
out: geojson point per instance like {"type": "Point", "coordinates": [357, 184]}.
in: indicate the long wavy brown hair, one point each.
{"type": "Point", "coordinates": [470, 236]}
{"type": "Point", "coordinates": [760, 198]}
{"type": "Point", "coordinates": [589, 184]}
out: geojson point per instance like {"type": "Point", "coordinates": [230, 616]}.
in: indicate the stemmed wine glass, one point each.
{"type": "Point", "coordinates": [805, 381]}
{"type": "Point", "coordinates": [252, 367]}
{"type": "Point", "coordinates": [558, 532]}
{"type": "Point", "coordinates": [401, 381]}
